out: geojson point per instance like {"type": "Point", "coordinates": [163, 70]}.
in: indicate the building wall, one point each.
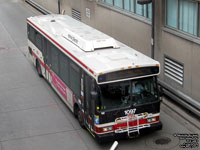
{"type": "Point", "coordinates": [181, 48]}
{"type": "Point", "coordinates": [51, 5]}
{"type": "Point", "coordinates": [136, 32]}
{"type": "Point", "coordinates": [132, 32]}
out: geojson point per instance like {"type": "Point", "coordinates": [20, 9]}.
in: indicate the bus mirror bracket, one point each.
{"type": "Point", "coordinates": [94, 99]}
{"type": "Point", "coordinates": [161, 93]}
{"type": "Point", "coordinates": [94, 96]}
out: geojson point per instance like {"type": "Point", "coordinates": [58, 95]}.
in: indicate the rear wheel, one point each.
{"type": "Point", "coordinates": [80, 118]}
{"type": "Point", "coordinates": [38, 68]}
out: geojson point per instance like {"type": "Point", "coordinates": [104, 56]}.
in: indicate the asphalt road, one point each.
{"type": "Point", "coordinates": [33, 117]}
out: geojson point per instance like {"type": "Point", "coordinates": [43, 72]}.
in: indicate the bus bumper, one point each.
{"type": "Point", "coordinates": [116, 136]}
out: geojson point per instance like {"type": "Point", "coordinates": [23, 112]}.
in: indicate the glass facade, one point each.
{"type": "Point", "coordinates": [199, 20]}
{"type": "Point", "coordinates": [109, 1]}
{"type": "Point", "coordinates": [118, 3]}
{"type": "Point", "coordinates": [188, 16]}
{"type": "Point", "coordinates": [172, 6]}
{"type": "Point", "coordinates": [183, 15]}
{"type": "Point", "coordinates": [131, 6]}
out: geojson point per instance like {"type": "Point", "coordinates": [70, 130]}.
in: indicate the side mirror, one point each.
{"type": "Point", "coordinates": [94, 95]}
{"type": "Point", "coordinates": [161, 93]}
{"type": "Point", "coordinates": [94, 100]}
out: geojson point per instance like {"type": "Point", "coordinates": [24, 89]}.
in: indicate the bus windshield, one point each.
{"type": "Point", "coordinates": [127, 93]}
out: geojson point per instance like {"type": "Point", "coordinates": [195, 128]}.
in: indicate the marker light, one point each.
{"type": "Point", "coordinates": [129, 67]}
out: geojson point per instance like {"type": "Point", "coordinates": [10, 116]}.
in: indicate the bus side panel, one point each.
{"type": "Point", "coordinates": [61, 87]}
{"type": "Point", "coordinates": [43, 56]}
{"type": "Point", "coordinates": [36, 54]}
{"type": "Point", "coordinates": [63, 91]}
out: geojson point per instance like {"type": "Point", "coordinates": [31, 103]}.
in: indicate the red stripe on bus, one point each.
{"type": "Point", "coordinates": [40, 61]}
{"type": "Point", "coordinates": [61, 47]}
{"type": "Point", "coordinates": [124, 125]}
{"type": "Point", "coordinates": [34, 54]}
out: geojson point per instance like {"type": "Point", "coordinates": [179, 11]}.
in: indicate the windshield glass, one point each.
{"type": "Point", "coordinates": [127, 93]}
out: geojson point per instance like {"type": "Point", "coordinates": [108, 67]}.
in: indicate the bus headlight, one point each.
{"type": "Point", "coordinates": [151, 119]}
{"type": "Point", "coordinates": [107, 129]}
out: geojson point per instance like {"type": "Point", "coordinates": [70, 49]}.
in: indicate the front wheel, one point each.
{"type": "Point", "coordinates": [80, 118]}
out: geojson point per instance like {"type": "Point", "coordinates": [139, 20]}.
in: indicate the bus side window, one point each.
{"type": "Point", "coordinates": [32, 35]}
{"type": "Point", "coordinates": [64, 68]}
{"type": "Point", "coordinates": [54, 58]}
{"type": "Point", "coordinates": [38, 41]}
{"type": "Point", "coordinates": [75, 80]}
{"type": "Point", "coordinates": [87, 93]}
{"type": "Point", "coordinates": [48, 53]}
{"type": "Point", "coordinates": [28, 31]}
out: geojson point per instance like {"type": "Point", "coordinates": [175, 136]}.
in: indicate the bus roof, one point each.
{"type": "Point", "coordinates": [91, 49]}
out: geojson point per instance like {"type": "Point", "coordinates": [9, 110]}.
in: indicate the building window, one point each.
{"type": "Point", "coordinates": [183, 15]}
{"type": "Point", "coordinates": [108, 1]}
{"type": "Point", "coordinates": [118, 3]}
{"type": "Point", "coordinates": [131, 6]}
{"type": "Point", "coordinates": [199, 20]}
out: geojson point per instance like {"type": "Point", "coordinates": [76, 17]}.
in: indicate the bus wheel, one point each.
{"type": "Point", "coordinates": [38, 68]}
{"type": "Point", "coordinates": [80, 118]}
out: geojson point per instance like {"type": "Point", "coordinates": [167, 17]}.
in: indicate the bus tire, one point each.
{"type": "Point", "coordinates": [80, 118]}
{"type": "Point", "coordinates": [39, 71]}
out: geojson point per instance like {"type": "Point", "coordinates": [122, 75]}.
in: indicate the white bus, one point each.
{"type": "Point", "coordinates": [110, 87]}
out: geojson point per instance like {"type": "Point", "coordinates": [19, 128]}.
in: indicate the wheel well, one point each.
{"type": "Point", "coordinates": [36, 62]}
{"type": "Point", "coordinates": [76, 107]}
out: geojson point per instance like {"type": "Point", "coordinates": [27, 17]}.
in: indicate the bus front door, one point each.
{"type": "Point", "coordinates": [87, 102]}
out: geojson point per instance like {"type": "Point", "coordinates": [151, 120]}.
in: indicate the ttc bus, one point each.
{"type": "Point", "coordinates": [111, 88]}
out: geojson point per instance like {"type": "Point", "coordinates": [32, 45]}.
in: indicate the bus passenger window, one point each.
{"type": "Point", "coordinates": [28, 31]}
{"type": "Point", "coordinates": [38, 41]}
{"type": "Point", "coordinates": [64, 69]}
{"type": "Point", "coordinates": [75, 82]}
{"type": "Point", "coordinates": [54, 59]}
{"type": "Point", "coordinates": [32, 35]}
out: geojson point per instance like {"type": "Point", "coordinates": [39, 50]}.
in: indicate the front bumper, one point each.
{"type": "Point", "coordinates": [115, 136]}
